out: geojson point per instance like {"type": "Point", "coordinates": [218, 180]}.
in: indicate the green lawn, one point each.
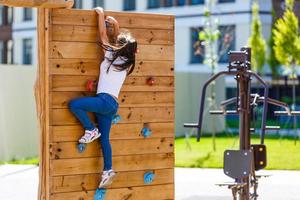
{"type": "Point", "coordinates": [27, 161]}
{"type": "Point", "coordinates": [281, 154]}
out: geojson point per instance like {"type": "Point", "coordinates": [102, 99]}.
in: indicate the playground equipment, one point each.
{"type": "Point", "coordinates": [241, 164]}
{"type": "Point", "coordinates": [69, 59]}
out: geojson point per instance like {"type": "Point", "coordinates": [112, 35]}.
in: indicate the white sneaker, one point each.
{"type": "Point", "coordinates": [107, 178]}
{"type": "Point", "coordinates": [90, 136]}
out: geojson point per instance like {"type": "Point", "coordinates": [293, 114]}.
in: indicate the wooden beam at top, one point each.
{"type": "Point", "coordinates": [38, 3]}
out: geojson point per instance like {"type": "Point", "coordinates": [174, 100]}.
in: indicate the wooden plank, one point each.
{"type": "Point", "coordinates": [46, 100]}
{"type": "Point", "coordinates": [119, 147]}
{"type": "Point", "coordinates": [85, 182]}
{"type": "Point", "coordinates": [74, 59]}
{"type": "Point", "coordinates": [75, 66]}
{"type": "Point", "coordinates": [75, 50]}
{"type": "Point", "coordinates": [39, 3]}
{"type": "Point", "coordinates": [95, 165]}
{"type": "Point", "coordinates": [40, 94]}
{"type": "Point", "coordinates": [92, 66]}
{"type": "Point", "coordinates": [131, 83]}
{"type": "Point", "coordinates": [128, 115]}
{"type": "Point", "coordinates": [126, 99]}
{"type": "Point", "coordinates": [126, 20]}
{"type": "Point", "coordinates": [151, 192]}
{"type": "Point", "coordinates": [133, 131]}
{"type": "Point", "coordinates": [68, 33]}
{"type": "Point", "coordinates": [90, 50]}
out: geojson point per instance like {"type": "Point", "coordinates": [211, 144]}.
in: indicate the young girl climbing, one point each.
{"type": "Point", "coordinates": [119, 49]}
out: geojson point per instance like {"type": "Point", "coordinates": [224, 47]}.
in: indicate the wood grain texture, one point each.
{"type": "Point", "coordinates": [71, 133]}
{"type": "Point", "coordinates": [119, 148]}
{"type": "Point", "coordinates": [69, 57]}
{"type": "Point", "coordinates": [39, 93]}
{"type": "Point", "coordinates": [128, 115]}
{"type": "Point", "coordinates": [120, 163]}
{"type": "Point", "coordinates": [88, 50]}
{"type": "Point", "coordinates": [85, 182]}
{"type": "Point", "coordinates": [67, 33]}
{"type": "Point", "coordinates": [128, 20]}
{"type": "Point", "coordinates": [157, 192]}
{"type": "Point", "coordinates": [131, 83]}
{"type": "Point", "coordinates": [126, 99]}
{"type": "Point", "coordinates": [92, 67]}
{"type": "Point", "coordinates": [38, 3]}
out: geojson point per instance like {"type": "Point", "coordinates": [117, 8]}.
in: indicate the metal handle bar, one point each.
{"type": "Point", "coordinates": [199, 125]}
{"type": "Point", "coordinates": [285, 113]}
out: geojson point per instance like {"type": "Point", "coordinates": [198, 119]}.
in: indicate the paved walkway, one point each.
{"type": "Point", "coordinates": [199, 184]}
{"type": "Point", "coordinates": [20, 182]}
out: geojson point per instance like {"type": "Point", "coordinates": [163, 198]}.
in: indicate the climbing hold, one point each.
{"type": "Point", "coordinates": [100, 194]}
{"type": "Point", "coordinates": [150, 81]}
{"type": "Point", "coordinates": [146, 132]}
{"type": "Point", "coordinates": [148, 177]}
{"type": "Point", "coordinates": [90, 86]}
{"type": "Point", "coordinates": [81, 147]}
{"type": "Point", "coordinates": [116, 119]}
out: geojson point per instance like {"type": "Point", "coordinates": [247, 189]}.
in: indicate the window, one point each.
{"type": "Point", "coordinates": [9, 52]}
{"type": "Point", "coordinates": [98, 3]}
{"type": "Point", "coordinates": [168, 3]}
{"type": "Point", "coordinates": [282, 4]}
{"type": "Point", "coordinates": [153, 3]}
{"type": "Point", "coordinates": [197, 48]}
{"type": "Point", "coordinates": [9, 15]}
{"type": "Point", "coordinates": [1, 15]}
{"type": "Point", "coordinates": [180, 2]}
{"type": "Point", "coordinates": [27, 14]}
{"type": "Point", "coordinates": [226, 42]}
{"type": "Point", "coordinates": [2, 52]}
{"type": "Point", "coordinates": [77, 4]}
{"type": "Point", "coordinates": [27, 51]}
{"type": "Point", "coordinates": [6, 52]}
{"type": "Point", "coordinates": [128, 5]}
{"type": "Point", "coordinates": [226, 1]}
{"type": "Point", "coordinates": [195, 2]}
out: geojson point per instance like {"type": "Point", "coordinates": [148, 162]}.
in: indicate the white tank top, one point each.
{"type": "Point", "coordinates": [112, 81]}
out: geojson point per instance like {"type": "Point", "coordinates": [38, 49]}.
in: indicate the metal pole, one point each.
{"type": "Point", "coordinates": [244, 80]}
{"type": "Point", "coordinates": [244, 128]}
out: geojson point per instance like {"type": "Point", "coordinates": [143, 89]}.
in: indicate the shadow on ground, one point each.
{"type": "Point", "coordinates": [206, 198]}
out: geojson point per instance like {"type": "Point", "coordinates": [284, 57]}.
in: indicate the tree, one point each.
{"type": "Point", "coordinates": [257, 42]}
{"type": "Point", "coordinates": [287, 39]}
{"type": "Point", "coordinates": [271, 59]}
{"type": "Point", "coordinates": [287, 45]}
{"type": "Point", "coordinates": [209, 37]}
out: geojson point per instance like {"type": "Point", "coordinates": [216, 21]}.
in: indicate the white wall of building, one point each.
{"type": "Point", "coordinates": [18, 119]}
{"type": "Point", "coordinates": [237, 13]}
{"type": "Point", "coordinates": [24, 30]}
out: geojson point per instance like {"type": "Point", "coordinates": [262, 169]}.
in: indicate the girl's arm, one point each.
{"type": "Point", "coordinates": [101, 25]}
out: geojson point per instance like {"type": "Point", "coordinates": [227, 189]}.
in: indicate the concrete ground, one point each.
{"type": "Point", "coordinates": [21, 182]}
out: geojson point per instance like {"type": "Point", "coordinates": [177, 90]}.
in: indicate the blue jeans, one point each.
{"type": "Point", "coordinates": [105, 107]}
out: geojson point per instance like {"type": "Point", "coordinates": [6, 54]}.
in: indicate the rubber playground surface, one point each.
{"type": "Point", "coordinates": [21, 182]}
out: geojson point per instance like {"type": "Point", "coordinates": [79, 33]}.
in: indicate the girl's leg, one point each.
{"type": "Point", "coordinates": [104, 125]}
{"type": "Point", "coordinates": [80, 107]}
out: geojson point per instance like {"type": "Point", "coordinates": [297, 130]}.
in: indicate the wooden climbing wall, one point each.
{"type": "Point", "coordinates": [68, 58]}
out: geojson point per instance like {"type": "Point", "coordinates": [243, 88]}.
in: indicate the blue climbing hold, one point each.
{"type": "Point", "coordinates": [81, 147]}
{"type": "Point", "coordinates": [146, 132]}
{"type": "Point", "coordinates": [148, 177]}
{"type": "Point", "coordinates": [116, 119]}
{"type": "Point", "coordinates": [100, 194]}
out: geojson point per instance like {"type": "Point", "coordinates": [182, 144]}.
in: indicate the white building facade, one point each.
{"type": "Point", "coordinates": [234, 17]}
